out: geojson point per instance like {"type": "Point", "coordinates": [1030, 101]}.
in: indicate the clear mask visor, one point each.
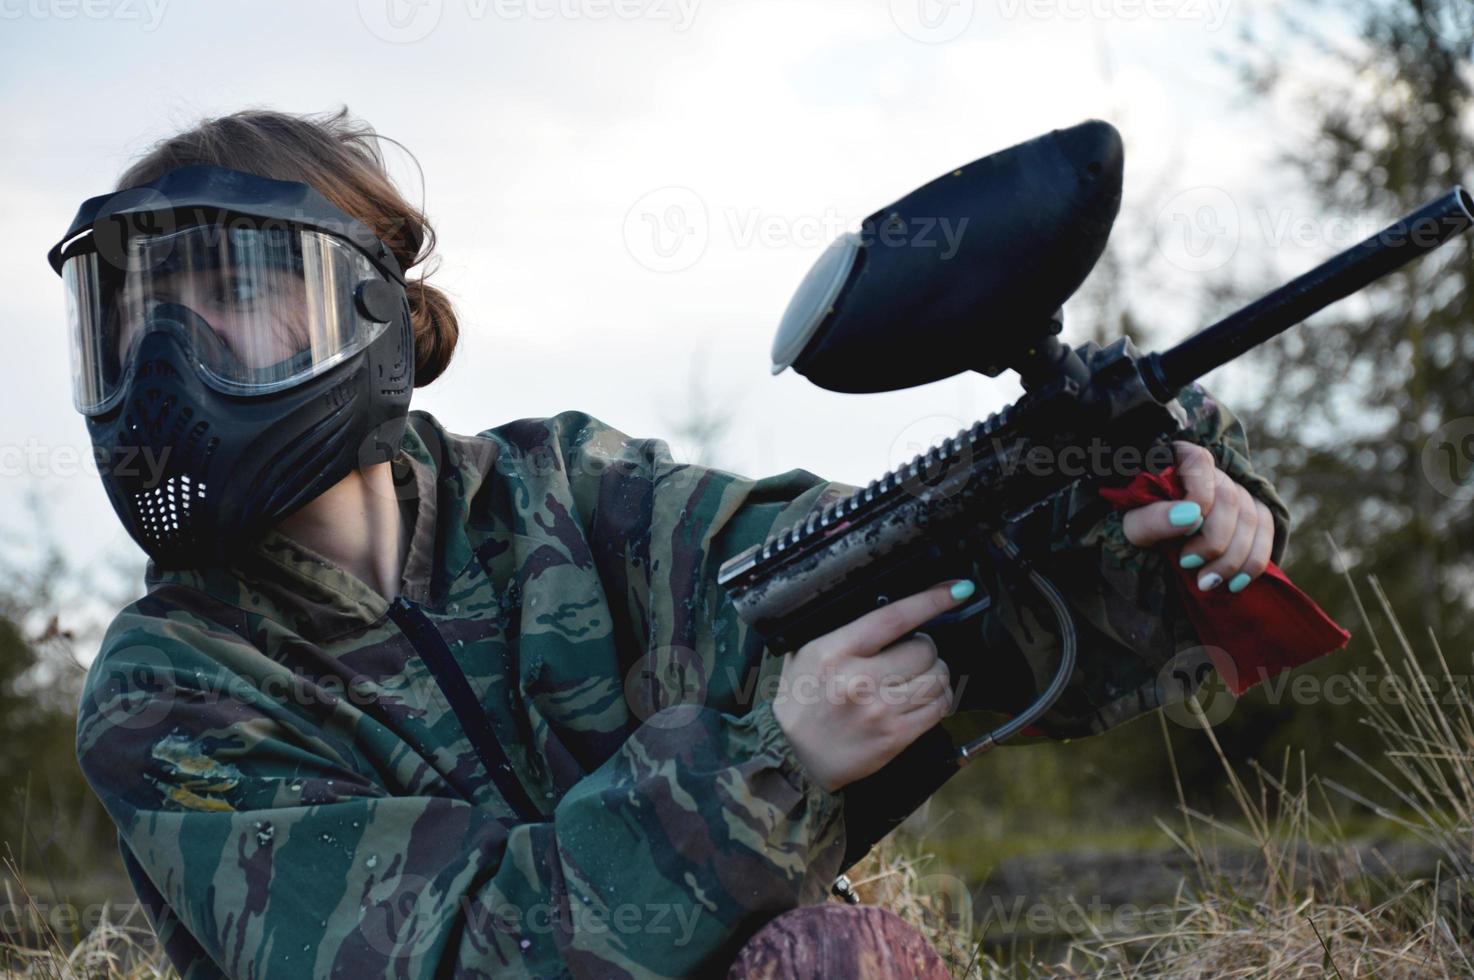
{"type": "Point", "coordinates": [259, 308]}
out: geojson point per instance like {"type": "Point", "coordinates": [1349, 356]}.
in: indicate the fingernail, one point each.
{"type": "Point", "coordinates": [1184, 514]}
{"type": "Point", "coordinates": [1239, 582]}
{"type": "Point", "coordinates": [1191, 561]}
{"type": "Point", "coordinates": [1196, 527]}
{"type": "Point", "coordinates": [961, 590]}
{"type": "Point", "coordinates": [1211, 581]}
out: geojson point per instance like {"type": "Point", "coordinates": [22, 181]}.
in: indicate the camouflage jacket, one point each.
{"type": "Point", "coordinates": [551, 754]}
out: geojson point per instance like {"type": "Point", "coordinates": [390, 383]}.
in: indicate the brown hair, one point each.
{"type": "Point", "coordinates": [339, 157]}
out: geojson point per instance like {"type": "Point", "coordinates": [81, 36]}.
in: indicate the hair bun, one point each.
{"type": "Point", "coordinates": [436, 330]}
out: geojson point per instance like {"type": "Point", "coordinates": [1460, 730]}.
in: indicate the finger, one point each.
{"type": "Point", "coordinates": [1164, 520]}
{"type": "Point", "coordinates": [1199, 474]}
{"type": "Point", "coordinates": [1258, 559]}
{"type": "Point", "coordinates": [1227, 565]}
{"type": "Point", "coordinates": [1213, 539]}
{"type": "Point", "coordinates": [902, 660]}
{"type": "Point", "coordinates": [877, 630]}
{"type": "Point", "coordinates": [914, 724]}
{"type": "Point", "coordinates": [920, 690]}
{"type": "Point", "coordinates": [1217, 531]}
{"type": "Point", "coordinates": [1263, 551]}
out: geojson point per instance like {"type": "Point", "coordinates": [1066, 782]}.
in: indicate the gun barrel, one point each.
{"type": "Point", "coordinates": [1399, 243]}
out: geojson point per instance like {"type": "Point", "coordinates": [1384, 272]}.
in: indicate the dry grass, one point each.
{"type": "Point", "coordinates": [1311, 904]}
{"type": "Point", "coordinates": [1313, 907]}
{"type": "Point", "coordinates": [900, 876]}
{"type": "Point", "coordinates": [111, 948]}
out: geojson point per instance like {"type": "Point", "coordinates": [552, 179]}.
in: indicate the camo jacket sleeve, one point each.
{"type": "Point", "coordinates": [274, 833]}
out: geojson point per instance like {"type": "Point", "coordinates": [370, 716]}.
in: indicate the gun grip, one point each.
{"type": "Point", "coordinates": [876, 805]}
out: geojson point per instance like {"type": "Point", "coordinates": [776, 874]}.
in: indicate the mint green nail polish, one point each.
{"type": "Point", "coordinates": [1184, 514]}
{"type": "Point", "coordinates": [1191, 561]}
{"type": "Point", "coordinates": [961, 590]}
{"type": "Point", "coordinates": [1239, 582]}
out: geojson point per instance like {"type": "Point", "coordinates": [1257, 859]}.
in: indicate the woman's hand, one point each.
{"type": "Point", "coordinates": [851, 700]}
{"type": "Point", "coordinates": [1229, 533]}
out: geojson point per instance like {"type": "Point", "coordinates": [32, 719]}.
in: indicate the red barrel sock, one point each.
{"type": "Point", "coordinates": [1269, 627]}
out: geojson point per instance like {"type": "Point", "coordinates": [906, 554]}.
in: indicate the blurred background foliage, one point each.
{"type": "Point", "coordinates": [53, 831]}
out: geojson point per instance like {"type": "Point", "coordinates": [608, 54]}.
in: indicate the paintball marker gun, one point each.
{"type": "Point", "coordinates": [874, 310]}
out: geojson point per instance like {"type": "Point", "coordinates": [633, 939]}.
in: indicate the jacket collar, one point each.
{"type": "Point", "coordinates": [285, 580]}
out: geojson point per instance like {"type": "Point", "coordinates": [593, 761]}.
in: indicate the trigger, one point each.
{"type": "Point", "coordinates": [974, 608]}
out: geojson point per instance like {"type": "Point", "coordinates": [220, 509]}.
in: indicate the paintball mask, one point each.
{"type": "Point", "coordinates": [238, 345]}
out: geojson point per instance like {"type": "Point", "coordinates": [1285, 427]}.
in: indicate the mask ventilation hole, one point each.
{"type": "Point", "coordinates": [164, 511]}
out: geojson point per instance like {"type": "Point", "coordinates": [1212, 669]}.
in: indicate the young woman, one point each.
{"type": "Point", "coordinates": [401, 701]}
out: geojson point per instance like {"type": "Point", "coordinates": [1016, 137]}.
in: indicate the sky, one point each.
{"type": "Point", "coordinates": [627, 192]}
